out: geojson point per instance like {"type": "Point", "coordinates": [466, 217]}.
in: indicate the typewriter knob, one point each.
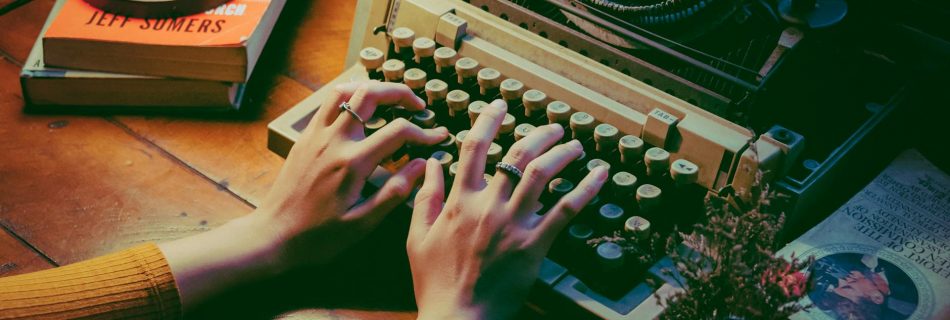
{"type": "Point", "coordinates": [606, 137]}
{"type": "Point", "coordinates": [684, 172]}
{"type": "Point", "coordinates": [488, 79]}
{"type": "Point", "coordinates": [466, 68]}
{"type": "Point", "coordinates": [559, 112]}
{"type": "Point", "coordinates": [631, 150]}
{"type": "Point", "coordinates": [623, 184]}
{"type": "Point", "coordinates": [445, 57]}
{"type": "Point", "coordinates": [436, 90]}
{"type": "Point", "coordinates": [415, 78]}
{"type": "Point", "coordinates": [457, 100]}
{"type": "Point", "coordinates": [533, 101]}
{"type": "Point", "coordinates": [423, 48]}
{"type": "Point", "coordinates": [403, 37]}
{"type": "Point", "coordinates": [582, 124]}
{"type": "Point", "coordinates": [511, 90]}
{"type": "Point", "coordinates": [522, 130]}
{"type": "Point", "coordinates": [393, 70]}
{"type": "Point", "coordinates": [656, 160]}
{"type": "Point", "coordinates": [371, 58]}
{"type": "Point", "coordinates": [648, 196]}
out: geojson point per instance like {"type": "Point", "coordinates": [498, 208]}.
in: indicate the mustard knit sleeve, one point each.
{"type": "Point", "coordinates": [135, 283]}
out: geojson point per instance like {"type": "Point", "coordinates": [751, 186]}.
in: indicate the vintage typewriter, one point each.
{"type": "Point", "coordinates": [672, 123]}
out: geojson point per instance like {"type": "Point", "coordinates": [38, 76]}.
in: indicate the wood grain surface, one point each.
{"type": "Point", "coordinates": [73, 186]}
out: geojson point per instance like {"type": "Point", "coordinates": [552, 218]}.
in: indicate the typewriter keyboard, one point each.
{"type": "Point", "coordinates": [605, 247]}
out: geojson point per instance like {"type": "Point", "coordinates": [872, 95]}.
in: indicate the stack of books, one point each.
{"type": "Point", "coordinates": [89, 58]}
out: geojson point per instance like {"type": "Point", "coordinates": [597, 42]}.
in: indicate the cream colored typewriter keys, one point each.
{"type": "Point", "coordinates": [656, 160]}
{"type": "Point", "coordinates": [373, 124]}
{"type": "Point", "coordinates": [533, 101]}
{"type": "Point", "coordinates": [402, 38]}
{"type": "Point", "coordinates": [424, 118]}
{"type": "Point", "coordinates": [511, 90]}
{"type": "Point", "coordinates": [522, 130]}
{"type": "Point", "coordinates": [559, 112]}
{"type": "Point", "coordinates": [371, 58]}
{"type": "Point", "coordinates": [638, 226]}
{"type": "Point", "coordinates": [445, 57]}
{"type": "Point", "coordinates": [415, 78]}
{"type": "Point", "coordinates": [582, 124]}
{"type": "Point", "coordinates": [623, 184]}
{"type": "Point", "coordinates": [606, 137]}
{"type": "Point", "coordinates": [631, 150]}
{"type": "Point", "coordinates": [494, 153]}
{"type": "Point", "coordinates": [459, 138]}
{"type": "Point", "coordinates": [488, 80]}
{"type": "Point", "coordinates": [436, 90]}
{"type": "Point", "coordinates": [445, 159]}
{"type": "Point", "coordinates": [457, 100]}
{"type": "Point", "coordinates": [507, 125]}
{"type": "Point", "coordinates": [594, 163]}
{"type": "Point", "coordinates": [684, 172]}
{"type": "Point", "coordinates": [453, 169]}
{"type": "Point", "coordinates": [423, 48]}
{"type": "Point", "coordinates": [393, 70]}
{"type": "Point", "coordinates": [475, 109]}
{"type": "Point", "coordinates": [447, 144]}
{"type": "Point", "coordinates": [648, 196]}
{"type": "Point", "coordinates": [466, 68]}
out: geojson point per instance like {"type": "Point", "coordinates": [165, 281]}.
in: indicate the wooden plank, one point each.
{"type": "Point", "coordinates": [80, 187]}
{"type": "Point", "coordinates": [234, 152]}
{"type": "Point", "coordinates": [17, 258]}
{"type": "Point", "coordinates": [20, 27]}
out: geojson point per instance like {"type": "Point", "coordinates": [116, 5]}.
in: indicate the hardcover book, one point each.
{"type": "Point", "coordinates": [885, 254]}
{"type": "Point", "coordinates": [219, 44]}
{"type": "Point", "coordinates": [46, 86]}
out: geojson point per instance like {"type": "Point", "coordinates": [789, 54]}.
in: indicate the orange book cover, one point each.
{"type": "Point", "coordinates": [227, 25]}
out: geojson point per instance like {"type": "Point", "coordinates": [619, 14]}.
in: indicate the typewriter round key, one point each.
{"type": "Point", "coordinates": [374, 124]}
{"type": "Point", "coordinates": [453, 169]}
{"type": "Point", "coordinates": [402, 38]}
{"type": "Point", "coordinates": [578, 234]}
{"type": "Point", "coordinates": [488, 81]}
{"type": "Point", "coordinates": [638, 226]}
{"type": "Point", "coordinates": [684, 172]}
{"type": "Point", "coordinates": [559, 187]}
{"type": "Point", "coordinates": [436, 91]}
{"type": "Point", "coordinates": [533, 101]}
{"type": "Point", "coordinates": [393, 70]}
{"type": "Point", "coordinates": [559, 112]}
{"type": "Point", "coordinates": [606, 137]}
{"type": "Point", "coordinates": [507, 125]}
{"type": "Point", "coordinates": [594, 163]}
{"type": "Point", "coordinates": [631, 150]}
{"type": "Point", "coordinates": [458, 102]}
{"type": "Point", "coordinates": [424, 48]}
{"type": "Point", "coordinates": [424, 118]}
{"type": "Point", "coordinates": [648, 196]}
{"type": "Point", "coordinates": [522, 130]}
{"type": "Point", "coordinates": [445, 159]}
{"type": "Point", "coordinates": [371, 58]}
{"type": "Point", "coordinates": [445, 59]}
{"type": "Point", "coordinates": [467, 69]}
{"type": "Point", "coordinates": [474, 110]}
{"type": "Point", "coordinates": [511, 90]}
{"type": "Point", "coordinates": [609, 217]}
{"type": "Point", "coordinates": [459, 137]}
{"type": "Point", "coordinates": [415, 79]}
{"type": "Point", "coordinates": [494, 155]}
{"type": "Point", "coordinates": [656, 160]}
{"type": "Point", "coordinates": [609, 256]}
{"type": "Point", "coordinates": [582, 124]}
{"type": "Point", "coordinates": [623, 184]}
{"type": "Point", "coordinates": [448, 144]}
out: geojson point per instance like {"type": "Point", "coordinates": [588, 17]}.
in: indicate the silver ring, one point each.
{"type": "Point", "coordinates": [510, 169]}
{"type": "Point", "coordinates": [345, 106]}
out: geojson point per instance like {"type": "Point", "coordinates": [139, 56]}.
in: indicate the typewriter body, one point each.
{"type": "Point", "coordinates": [669, 136]}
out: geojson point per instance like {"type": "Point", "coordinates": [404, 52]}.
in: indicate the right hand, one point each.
{"type": "Point", "coordinates": [477, 255]}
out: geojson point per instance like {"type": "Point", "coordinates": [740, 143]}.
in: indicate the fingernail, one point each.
{"type": "Point", "coordinates": [442, 130]}
{"type": "Point", "coordinates": [500, 104]}
{"type": "Point", "coordinates": [575, 143]}
{"type": "Point", "coordinates": [556, 126]}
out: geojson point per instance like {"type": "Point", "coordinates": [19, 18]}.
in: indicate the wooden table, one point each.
{"type": "Point", "coordinates": [73, 187]}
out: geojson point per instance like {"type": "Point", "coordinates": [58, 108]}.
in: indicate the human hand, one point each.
{"type": "Point", "coordinates": [312, 212]}
{"type": "Point", "coordinates": [477, 255]}
{"type": "Point", "coordinates": [313, 204]}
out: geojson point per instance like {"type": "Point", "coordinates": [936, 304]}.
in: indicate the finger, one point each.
{"type": "Point", "coordinates": [540, 171]}
{"type": "Point", "coordinates": [428, 202]}
{"type": "Point", "coordinates": [394, 135]}
{"type": "Point", "coordinates": [330, 109]}
{"type": "Point", "coordinates": [373, 94]}
{"type": "Point", "coordinates": [557, 218]}
{"type": "Point", "coordinates": [393, 193]}
{"type": "Point", "coordinates": [524, 151]}
{"type": "Point", "coordinates": [475, 146]}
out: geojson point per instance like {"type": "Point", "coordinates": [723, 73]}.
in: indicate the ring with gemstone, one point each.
{"type": "Point", "coordinates": [510, 169]}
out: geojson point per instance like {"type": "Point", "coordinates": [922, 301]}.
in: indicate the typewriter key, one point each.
{"type": "Point", "coordinates": [609, 217]}
{"type": "Point", "coordinates": [631, 150]}
{"type": "Point", "coordinates": [393, 70]}
{"type": "Point", "coordinates": [684, 172]}
{"type": "Point", "coordinates": [648, 196]}
{"type": "Point", "coordinates": [657, 161]}
{"type": "Point", "coordinates": [638, 226]}
{"type": "Point", "coordinates": [522, 130]}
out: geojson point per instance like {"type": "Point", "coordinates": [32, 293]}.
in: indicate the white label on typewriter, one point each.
{"type": "Point", "coordinates": [661, 115]}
